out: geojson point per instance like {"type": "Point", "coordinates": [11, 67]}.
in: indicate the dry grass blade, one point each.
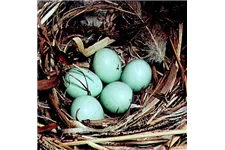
{"type": "Point", "coordinates": [184, 78]}
{"type": "Point", "coordinates": [181, 147]}
{"type": "Point", "coordinates": [175, 138]}
{"type": "Point", "coordinates": [54, 100]}
{"type": "Point", "coordinates": [80, 130]}
{"type": "Point", "coordinates": [51, 143]}
{"type": "Point", "coordinates": [164, 90]}
{"type": "Point", "coordinates": [98, 45]}
{"type": "Point", "coordinates": [94, 48]}
{"type": "Point", "coordinates": [127, 148]}
{"type": "Point", "coordinates": [145, 142]}
{"type": "Point", "coordinates": [50, 13]}
{"type": "Point", "coordinates": [179, 112]}
{"type": "Point", "coordinates": [127, 137]}
{"type": "Point", "coordinates": [80, 44]}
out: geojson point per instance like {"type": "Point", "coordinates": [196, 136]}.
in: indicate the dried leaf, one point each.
{"type": "Point", "coordinates": [80, 44]}
{"type": "Point", "coordinates": [63, 58]}
{"type": "Point", "coordinates": [94, 48]}
{"type": "Point", "coordinates": [99, 45]}
{"type": "Point", "coordinates": [48, 83]}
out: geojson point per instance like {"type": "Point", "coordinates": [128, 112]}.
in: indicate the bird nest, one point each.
{"type": "Point", "coordinates": [69, 33]}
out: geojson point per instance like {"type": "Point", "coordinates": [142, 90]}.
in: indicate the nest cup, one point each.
{"type": "Point", "coordinates": [70, 33]}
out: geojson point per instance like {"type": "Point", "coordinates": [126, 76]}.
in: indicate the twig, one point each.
{"type": "Point", "coordinates": [108, 1]}
{"type": "Point", "coordinates": [96, 146]}
{"type": "Point", "coordinates": [128, 137]}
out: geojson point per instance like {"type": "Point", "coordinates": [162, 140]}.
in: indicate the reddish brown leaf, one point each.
{"type": "Point", "coordinates": [62, 58]}
{"type": "Point", "coordinates": [48, 83]}
{"type": "Point", "coordinates": [47, 127]}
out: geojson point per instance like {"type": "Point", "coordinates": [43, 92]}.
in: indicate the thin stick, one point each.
{"type": "Point", "coordinates": [96, 146]}
{"type": "Point", "coordinates": [128, 137]}
{"type": "Point", "coordinates": [111, 2]}
{"type": "Point", "coordinates": [145, 142]}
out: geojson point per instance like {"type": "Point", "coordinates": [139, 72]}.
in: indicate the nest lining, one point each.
{"type": "Point", "coordinates": [68, 31]}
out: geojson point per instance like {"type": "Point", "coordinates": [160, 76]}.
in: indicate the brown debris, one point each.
{"type": "Point", "coordinates": [47, 127]}
{"type": "Point", "coordinates": [48, 83]}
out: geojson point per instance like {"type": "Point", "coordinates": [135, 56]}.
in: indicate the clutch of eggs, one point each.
{"type": "Point", "coordinates": [116, 96]}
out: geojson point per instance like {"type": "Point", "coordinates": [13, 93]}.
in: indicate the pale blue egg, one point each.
{"type": "Point", "coordinates": [77, 81]}
{"type": "Point", "coordinates": [137, 74]}
{"type": "Point", "coordinates": [116, 97]}
{"type": "Point", "coordinates": [107, 65]}
{"type": "Point", "coordinates": [86, 107]}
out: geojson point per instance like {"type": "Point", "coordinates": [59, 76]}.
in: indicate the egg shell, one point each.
{"type": "Point", "coordinates": [74, 86]}
{"type": "Point", "coordinates": [86, 107]}
{"type": "Point", "coordinates": [116, 97]}
{"type": "Point", "coordinates": [107, 65]}
{"type": "Point", "coordinates": [137, 74]}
